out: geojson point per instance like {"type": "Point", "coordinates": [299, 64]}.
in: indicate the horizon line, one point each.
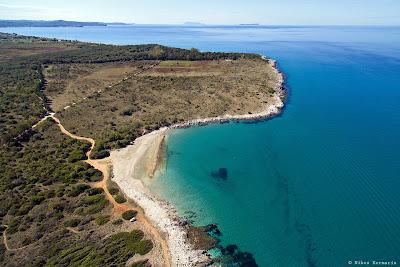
{"type": "Point", "coordinates": [201, 24]}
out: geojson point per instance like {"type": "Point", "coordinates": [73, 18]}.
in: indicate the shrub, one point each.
{"type": "Point", "coordinates": [129, 214]}
{"type": "Point", "coordinates": [113, 190]}
{"type": "Point", "coordinates": [92, 175]}
{"type": "Point", "coordinates": [78, 189]}
{"type": "Point", "coordinates": [95, 191]}
{"type": "Point", "coordinates": [100, 154]}
{"type": "Point", "coordinates": [24, 209]}
{"type": "Point", "coordinates": [36, 200]}
{"type": "Point", "coordinates": [143, 263]}
{"type": "Point", "coordinates": [27, 241]}
{"type": "Point", "coordinates": [120, 198]}
{"type": "Point", "coordinates": [117, 222]}
{"type": "Point", "coordinates": [102, 219]}
{"type": "Point", "coordinates": [76, 156]}
{"type": "Point", "coordinates": [72, 223]}
{"type": "Point", "coordinates": [143, 246]}
{"type": "Point", "coordinates": [96, 203]}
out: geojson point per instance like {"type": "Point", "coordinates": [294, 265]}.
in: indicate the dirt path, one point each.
{"type": "Point", "coordinates": [73, 230]}
{"type": "Point", "coordinates": [104, 166]}
{"type": "Point", "coordinates": [74, 103]}
{"type": "Point", "coordinates": [5, 241]}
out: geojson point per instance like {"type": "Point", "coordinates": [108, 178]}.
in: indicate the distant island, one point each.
{"type": "Point", "coordinates": [249, 24]}
{"type": "Point", "coordinates": [53, 23]}
{"type": "Point", "coordinates": [193, 23]}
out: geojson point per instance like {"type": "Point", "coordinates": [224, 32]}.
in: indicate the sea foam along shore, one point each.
{"type": "Point", "coordinates": [128, 166]}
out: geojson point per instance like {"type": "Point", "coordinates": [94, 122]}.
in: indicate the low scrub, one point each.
{"type": "Point", "coordinates": [120, 198]}
{"type": "Point", "coordinates": [129, 214]}
{"type": "Point", "coordinates": [102, 219]}
{"type": "Point", "coordinates": [72, 223]}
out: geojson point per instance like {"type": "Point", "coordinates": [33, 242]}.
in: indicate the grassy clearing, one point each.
{"type": "Point", "coordinates": [176, 63]}
{"type": "Point", "coordinates": [71, 83]}
{"type": "Point", "coordinates": [166, 95]}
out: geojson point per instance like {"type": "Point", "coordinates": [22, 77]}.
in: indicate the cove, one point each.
{"type": "Point", "coordinates": [317, 185]}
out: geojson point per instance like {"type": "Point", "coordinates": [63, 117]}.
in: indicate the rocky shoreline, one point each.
{"type": "Point", "coordinates": [271, 111]}
{"type": "Point", "coordinates": [126, 165]}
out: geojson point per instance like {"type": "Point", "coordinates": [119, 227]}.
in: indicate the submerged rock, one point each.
{"type": "Point", "coordinates": [232, 256]}
{"type": "Point", "coordinates": [222, 173]}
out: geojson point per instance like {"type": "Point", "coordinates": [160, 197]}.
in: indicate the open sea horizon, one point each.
{"type": "Point", "coordinates": [318, 185]}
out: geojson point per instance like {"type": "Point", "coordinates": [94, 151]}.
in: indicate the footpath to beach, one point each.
{"type": "Point", "coordinates": [104, 167]}
{"type": "Point", "coordinates": [159, 218]}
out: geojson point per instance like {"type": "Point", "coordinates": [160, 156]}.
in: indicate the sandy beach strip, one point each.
{"type": "Point", "coordinates": [128, 166]}
{"type": "Point", "coordinates": [132, 163]}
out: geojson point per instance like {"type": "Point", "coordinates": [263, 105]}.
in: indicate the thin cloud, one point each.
{"type": "Point", "coordinates": [30, 12]}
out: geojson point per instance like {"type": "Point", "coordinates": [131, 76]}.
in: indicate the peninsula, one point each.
{"type": "Point", "coordinates": [82, 122]}
{"type": "Point", "coordinates": [51, 23]}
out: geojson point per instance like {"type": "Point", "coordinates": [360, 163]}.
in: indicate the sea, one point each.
{"type": "Point", "coordinates": [318, 185]}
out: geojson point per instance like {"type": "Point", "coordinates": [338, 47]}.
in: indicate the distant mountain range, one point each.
{"type": "Point", "coordinates": [52, 23]}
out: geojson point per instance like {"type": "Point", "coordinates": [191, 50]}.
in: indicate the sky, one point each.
{"type": "Point", "coordinates": [269, 12]}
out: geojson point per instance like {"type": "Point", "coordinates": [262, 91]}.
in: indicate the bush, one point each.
{"type": "Point", "coordinates": [96, 203]}
{"type": "Point", "coordinates": [36, 200]}
{"type": "Point", "coordinates": [143, 263]}
{"type": "Point", "coordinates": [117, 222]}
{"type": "Point", "coordinates": [27, 241]}
{"type": "Point", "coordinates": [120, 198]}
{"type": "Point", "coordinates": [113, 190]}
{"type": "Point", "coordinates": [72, 223]}
{"type": "Point", "coordinates": [129, 214]}
{"type": "Point", "coordinates": [95, 191]}
{"type": "Point", "coordinates": [271, 90]}
{"type": "Point", "coordinates": [143, 246]}
{"type": "Point", "coordinates": [100, 154]}
{"type": "Point", "coordinates": [24, 209]}
{"type": "Point", "coordinates": [102, 219]}
{"type": "Point", "coordinates": [92, 175]}
{"type": "Point", "coordinates": [78, 189]}
{"type": "Point", "coordinates": [76, 156]}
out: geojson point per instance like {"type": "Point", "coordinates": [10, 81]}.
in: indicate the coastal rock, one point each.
{"type": "Point", "coordinates": [221, 173]}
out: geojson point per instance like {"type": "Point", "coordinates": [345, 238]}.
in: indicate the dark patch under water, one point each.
{"type": "Point", "coordinates": [230, 254]}
{"type": "Point", "coordinates": [221, 173]}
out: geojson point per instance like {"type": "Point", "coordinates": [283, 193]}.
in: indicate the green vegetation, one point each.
{"type": "Point", "coordinates": [43, 191]}
{"type": "Point", "coordinates": [117, 222]}
{"type": "Point", "coordinates": [72, 223]}
{"type": "Point", "coordinates": [102, 219]}
{"type": "Point", "coordinates": [144, 263]}
{"type": "Point", "coordinates": [120, 198]}
{"type": "Point", "coordinates": [129, 214]}
{"type": "Point", "coordinates": [115, 251]}
{"type": "Point", "coordinates": [45, 159]}
{"type": "Point", "coordinates": [112, 187]}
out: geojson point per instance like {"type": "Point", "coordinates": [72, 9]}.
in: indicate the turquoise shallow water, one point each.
{"type": "Point", "coordinates": [318, 185]}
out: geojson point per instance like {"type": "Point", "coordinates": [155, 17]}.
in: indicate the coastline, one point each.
{"type": "Point", "coordinates": [130, 164]}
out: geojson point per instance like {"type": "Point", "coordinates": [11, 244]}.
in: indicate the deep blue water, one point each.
{"type": "Point", "coordinates": [318, 185]}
